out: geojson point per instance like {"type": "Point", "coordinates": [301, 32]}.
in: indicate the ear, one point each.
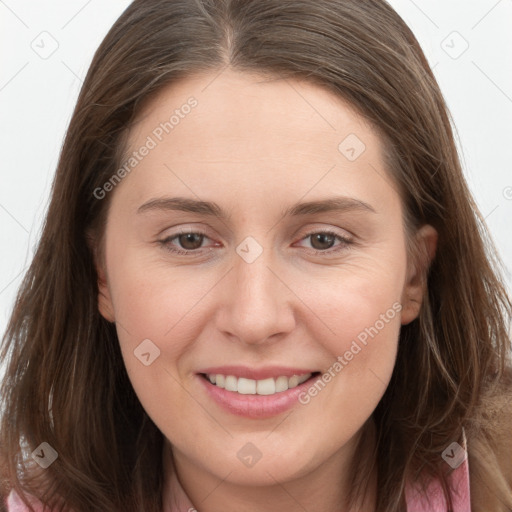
{"type": "Point", "coordinates": [105, 305]}
{"type": "Point", "coordinates": [417, 270]}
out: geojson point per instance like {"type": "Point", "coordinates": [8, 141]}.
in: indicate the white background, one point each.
{"type": "Point", "coordinates": [37, 96]}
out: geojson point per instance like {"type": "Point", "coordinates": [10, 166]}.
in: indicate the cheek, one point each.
{"type": "Point", "coordinates": [363, 341]}
{"type": "Point", "coordinates": [157, 321]}
{"type": "Point", "coordinates": [358, 301]}
{"type": "Point", "coordinates": [154, 305]}
{"type": "Point", "coordinates": [356, 316]}
{"type": "Point", "coordinates": [359, 311]}
{"type": "Point", "coordinates": [154, 301]}
{"type": "Point", "coordinates": [362, 354]}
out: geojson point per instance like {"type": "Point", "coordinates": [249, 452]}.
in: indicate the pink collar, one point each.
{"type": "Point", "coordinates": [433, 500]}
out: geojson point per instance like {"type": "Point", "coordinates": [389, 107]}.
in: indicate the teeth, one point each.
{"type": "Point", "coordinates": [231, 383]}
{"type": "Point", "coordinates": [268, 386]}
{"type": "Point", "coordinates": [246, 386]}
{"type": "Point", "coordinates": [293, 382]}
{"type": "Point", "coordinates": [281, 384]}
{"type": "Point", "coordinates": [304, 378]}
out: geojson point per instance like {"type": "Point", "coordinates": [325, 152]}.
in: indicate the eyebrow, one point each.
{"type": "Point", "coordinates": [331, 204]}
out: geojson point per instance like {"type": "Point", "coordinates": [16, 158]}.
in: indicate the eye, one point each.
{"type": "Point", "coordinates": [188, 242]}
{"type": "Point", "coordinates": [324, 241]}
{"type": "Point", "coordinates": [191, 242]}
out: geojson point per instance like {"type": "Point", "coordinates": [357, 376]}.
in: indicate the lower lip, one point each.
{"type": "Point", "coordinates": [255, 406]}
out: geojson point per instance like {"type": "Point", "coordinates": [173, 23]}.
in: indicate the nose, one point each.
{"type": "Point", "coordinates": [256, 305]}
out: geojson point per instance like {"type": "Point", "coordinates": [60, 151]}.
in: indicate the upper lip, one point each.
{"type": "Point", "coordinates": [257, 373]}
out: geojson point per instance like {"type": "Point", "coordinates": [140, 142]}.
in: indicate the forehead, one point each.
{"type": "Point", "coordinates": [244, 106]}
{"type": "Point", "coordinates": [245, 132]}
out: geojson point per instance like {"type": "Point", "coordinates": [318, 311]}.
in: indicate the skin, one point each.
{"type": "Point", "coordinates": [255, 147]}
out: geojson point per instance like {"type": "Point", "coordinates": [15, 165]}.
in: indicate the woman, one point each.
{"type": "Point", "coordinates": [262, 283]}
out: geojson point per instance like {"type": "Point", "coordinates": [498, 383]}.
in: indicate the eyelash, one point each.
{"type": "Point", "coordinates": [165, 243]}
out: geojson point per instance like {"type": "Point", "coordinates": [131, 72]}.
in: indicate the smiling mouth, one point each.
{"type": "Point", "coordinates": [269, 386]}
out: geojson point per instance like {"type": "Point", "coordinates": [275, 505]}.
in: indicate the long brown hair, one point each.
{"type": "Point", "coordinates": [65, 380]}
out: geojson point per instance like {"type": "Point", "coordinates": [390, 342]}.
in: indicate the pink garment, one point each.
{"type": "Point", "coordinates": [178, 501]}
{"type": "Point", "coordinates": [14, 504]}
{"type": "Point", "coordinates": [434, 500]}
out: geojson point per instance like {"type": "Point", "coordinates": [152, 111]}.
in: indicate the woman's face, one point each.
{"type": "Point", "coordinates": [257, 236]}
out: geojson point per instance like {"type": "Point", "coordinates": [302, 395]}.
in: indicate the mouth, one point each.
{"type": "Point", "coordinates": [267, 387]}
{"type": "Point", "coordinates": [270, 393]}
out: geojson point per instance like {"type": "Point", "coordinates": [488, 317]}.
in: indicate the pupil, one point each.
{"type": "Point", "coordinates": [323, 238]}
{"type": "Point", "coordinates": [189, 240]}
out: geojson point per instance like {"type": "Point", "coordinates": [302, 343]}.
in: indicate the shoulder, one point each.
{"type": "Point", "coordinates": [504, 437]}
{"type": "Point", "coordinates": [499, 414]}
{"type": "Point", "coordinates": [490, 451]}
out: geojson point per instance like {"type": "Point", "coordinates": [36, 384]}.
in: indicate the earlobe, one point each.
{"type": "Point", "coordinates": [416, 279]}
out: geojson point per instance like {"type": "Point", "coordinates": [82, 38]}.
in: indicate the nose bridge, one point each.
{"type": "Point", "coordinates": [258, 304]}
